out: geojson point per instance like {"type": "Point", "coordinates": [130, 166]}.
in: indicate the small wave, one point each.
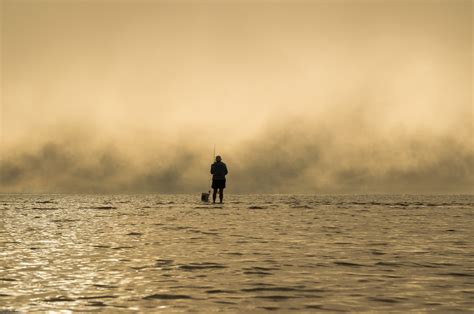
{"type": "Point", "coordinates": [195, 266]}
{"type": "Point", "coordinates": [96, 303]}
{"type": "Point", "coordinates": [160, 296]}
{"type": "Point", "coordinates": [388, 264]}
{"type": "Point", "coordinates": [134, 234]}
{"type": "Point", "coordinates": [105, 286]}
{"type": "Point", "coordinates": [315, 306]}
{"type": "Point", "coordinates": [457, 274]}
{"type": "Point", "coordinates": [428, 265]}
{"type": "Point", "coordinates": [262, 273]}
{"type": "Point", "coordinates": [390, 276]}
{"type": "Point", "coordinates": [270, 289]}
{"type": "Point", "coordinates": [378, 244]}
{"type": "Point", "coordinates": [59, 299]}
{"type": "Point", "coordinates": [275, 297]}
{"type": "Point", "coordinates": [203, 232]}
{"type": "Point", "coordinates": [350, 264]}
{"type": "Point", "coordinates": [403, 204]}
{"type": "Point", "coordinates": [256, 207]}
{"type": "Point", "coordinates": [234, 253]}
{"type": "Point", "coordinates": [191, 287]}
{"type": "Point", "coordinates": [215, 291]}
{"type": "Point", "coordinates": [446, 264]}
{"type": "Point", "coordinates": [270, 308]}
{"type": "Point", "coordinates": [122, 247]}
{"type": "Point", "coordinates": [65, 220]}
{"type": "Point", "coordinates": [382, 299]}
{"type": "Point", "coordinates": [104, 207]}
{"type": "Point", "coordinates": [224, 302]}
{"type": "Point", "coordinates": [97, 297]}
{"type": "Point", "coordinates": [261, 268]}
{"type": "Point", "coordinates": [45, 208]}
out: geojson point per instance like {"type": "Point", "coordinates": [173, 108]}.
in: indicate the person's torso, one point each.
{"type": "Point", "coordinates": [219, 170]}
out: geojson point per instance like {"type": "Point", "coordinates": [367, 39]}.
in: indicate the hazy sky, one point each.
{"type": "Point", "coordinates": [298, 96]}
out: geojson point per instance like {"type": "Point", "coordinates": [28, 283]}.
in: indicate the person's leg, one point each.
{"type": "Point", "coordinates": [214, 193]}
{"type": "Point", "coordinates": [221, 194]}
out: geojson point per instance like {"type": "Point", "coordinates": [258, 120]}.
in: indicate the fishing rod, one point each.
{"type": "Point", "coordinates": [212, 161]}
{"type": "Point", "coordinates": [205, 196]}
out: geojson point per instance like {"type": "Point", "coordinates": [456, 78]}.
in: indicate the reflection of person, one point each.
{"type": "Point", "coordinates": [218, 171]}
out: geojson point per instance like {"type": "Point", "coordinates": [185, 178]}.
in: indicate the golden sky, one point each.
{"type": "Point", "coordinates": [298, 96]}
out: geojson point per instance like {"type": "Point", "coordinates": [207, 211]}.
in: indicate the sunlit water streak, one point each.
{"type": "Point", "coordinates": [255, 252]}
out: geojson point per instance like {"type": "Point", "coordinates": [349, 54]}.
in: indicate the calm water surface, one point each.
{"type": "Point", "coordinates": [254, 253]}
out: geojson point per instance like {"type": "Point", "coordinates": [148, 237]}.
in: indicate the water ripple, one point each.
{"type": "Point", "coordinates": [254, 253]}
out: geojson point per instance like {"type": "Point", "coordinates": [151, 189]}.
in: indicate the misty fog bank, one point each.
{"type": "Point", "coordinates": [297, 155]}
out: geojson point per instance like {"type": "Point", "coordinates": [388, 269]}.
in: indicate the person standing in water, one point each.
{"type": "Point", "coordinates": [218, 171]}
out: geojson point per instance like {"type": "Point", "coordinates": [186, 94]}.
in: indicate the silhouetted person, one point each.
{"type": "Point", "coordinates": [218, 171]}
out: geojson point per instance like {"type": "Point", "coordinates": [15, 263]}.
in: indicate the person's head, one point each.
{"type": "Point", "coordinates": [218, 158]}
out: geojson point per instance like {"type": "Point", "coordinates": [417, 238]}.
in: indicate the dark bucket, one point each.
{"type": "Point", "coordinates": [205, 197]}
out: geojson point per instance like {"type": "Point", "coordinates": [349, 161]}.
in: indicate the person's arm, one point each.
{"type": "Point", "coordinates": [225, 169]}
{"type": "Point", "coordinates": [212, 169]}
